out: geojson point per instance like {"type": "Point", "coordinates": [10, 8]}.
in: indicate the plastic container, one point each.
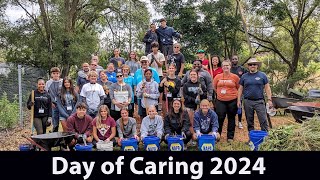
{"type": "Point", "coordinates": [25, 147]}
{"type": "Point", "coordinates": [175, 143]}
{"type": "Point", "coordinates": [257, 137]}
{"type": "Point", "coordinates": [271, 111]}
{"type": "Point", "coordinates": [206, 142]}
{"type": "Point", "coordinates": [80, 147]}
{"type": "Point", "coordinates": [151, 143]}
{"type": "Point", "coordinates": [130, 144]}
{"type": "Point", "coordinates": [105, 146]}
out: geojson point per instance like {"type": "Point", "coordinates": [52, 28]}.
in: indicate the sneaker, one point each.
{"type": "Point", "coordinates": [240, 125]}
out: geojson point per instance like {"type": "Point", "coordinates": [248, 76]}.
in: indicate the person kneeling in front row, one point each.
{"type": "Point", "coordinates": [205, 121]}
{"type": "Point", "coordinates": [152, 125]}
{"type": "Point", "coordinates": [80, 123]}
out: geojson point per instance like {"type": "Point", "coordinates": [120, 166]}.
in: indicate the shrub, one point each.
{"type": "Point", "coordinates": [9, 112]}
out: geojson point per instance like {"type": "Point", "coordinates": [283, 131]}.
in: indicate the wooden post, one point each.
{"type": "Point", "coordinates": [32, 111]}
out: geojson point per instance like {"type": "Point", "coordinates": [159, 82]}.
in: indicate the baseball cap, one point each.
{"type": "Point", "coordinates": [200, 51]}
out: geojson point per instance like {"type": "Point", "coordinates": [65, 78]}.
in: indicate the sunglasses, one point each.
{"type": "Point", "coordinates": [144, 62]}
{"type": "Point", "coordinates": [179, 99]}
{"type": "Point", "coordinates": [252, 64]}
{"type": "Point", "coordinates": [119, 76]}
{"type": "Point", "coordinates": [176, 47]}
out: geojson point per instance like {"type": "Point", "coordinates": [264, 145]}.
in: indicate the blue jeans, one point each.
{"type": "Point", "coordinates": [55, 119]}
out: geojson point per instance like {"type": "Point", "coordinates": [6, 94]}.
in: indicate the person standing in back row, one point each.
{"type": "Point", "coordinates": [53, 87]}
{"type": "Point", "coordinates": [252, 86]}
{"type": "Point", "coordinates": [150, 37]}
{"type": "Point", "coordinates": [165, 35]}
{"type": "Point", "coordinates": [238, 70]}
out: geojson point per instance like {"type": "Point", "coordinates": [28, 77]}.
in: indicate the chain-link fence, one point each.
{"type": "Point", "coordinates": [16, 83]}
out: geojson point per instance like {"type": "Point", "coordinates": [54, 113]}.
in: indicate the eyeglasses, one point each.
{"type": "Point", "coordinates": [176, 47]}
{"type": "Point", "coordinates": [125, 69]}
{"type": "Point", "coordinates": [119, 76]}
{"type": "Point", "coordinates": [252, 64]}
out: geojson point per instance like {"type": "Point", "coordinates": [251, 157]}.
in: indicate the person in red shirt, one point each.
{"type": "Point", "coordinates": [104, 126]}
{"type": "Point", "coordinates": [216, 66]}
{"type": "Point", "coordinates": [202, 56]}
{"type": "Point", "coordinates": [80, 123]}
{"type": "Point", "coordinates": [226, 85]}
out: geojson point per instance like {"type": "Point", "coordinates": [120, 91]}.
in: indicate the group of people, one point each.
{"type": "Point", "coordinates": [100, 106]}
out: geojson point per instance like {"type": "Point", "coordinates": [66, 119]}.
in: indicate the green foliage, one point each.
{"type": "Point", "coordinates": [9, 112]}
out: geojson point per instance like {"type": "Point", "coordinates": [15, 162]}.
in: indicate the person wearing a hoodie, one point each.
{"type": "Point", "coordinates": [152, 125]}
{"type": "Point", "coordinates": [148, 91]}
{"type": "Point", "coordinates": [92, 94]}
{"type": "Point", "coordinates": [165, 35]}
{"type": "Point", "coordinates": [193, 93]}
{"type": "Point", "coordinates": [170, 86]}
{"type": "Point", "coordinates": [177, 122]}
{"type": "Point", "coordinates": [81, 124]}
{"type": "Point", "coordinates": [139, 77]}
{"type": "Point", "coordinates": [205, 121]}
{"type": "Point", "coordinates": [150, 37]}
{"type": "Point", "coordinates": [82, 78]}
{"type": "Point", "coordinates": [67, 101]}
{"type": "Point", "coordinates": [204, 77]}
{"type": "Point", "coordinates": [53, 87]}
{"type": "Point", "coordinates": [42, 107]}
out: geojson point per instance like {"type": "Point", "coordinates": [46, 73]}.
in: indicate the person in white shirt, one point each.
{"type": "Point", "coordinates": [156, 58]}
{"type": "Point", "coordinates": [92, 94]}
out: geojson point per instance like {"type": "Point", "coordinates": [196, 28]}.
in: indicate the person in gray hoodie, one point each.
{"type": "Point", "coordinates": [148, 90]}
{"type": "Point", "coordinates": [205, 121]}
{"type": "Point", "coordinates": [204, 77]}
{"type": "Point", "coordinates": [152, 125]}
{"type": "Point", "coordinates": [53, 87]}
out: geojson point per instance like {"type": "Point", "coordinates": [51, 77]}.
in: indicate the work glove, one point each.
{"type": "Point", "coordinates": [197, 101]}
{"type": "Point", "coordinates": [183, 135]}
{"type": "Point", "coordinates": [217, 135]}
{"type": "Point", "coordinates": [200, 91]}
{"type": "Point", "coordinates": [198, 133]}
{"type": "Point", "coordinates": [166, 136]}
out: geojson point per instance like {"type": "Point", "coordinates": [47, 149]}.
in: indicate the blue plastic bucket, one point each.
{"type": "Point", "coordinates": [130, 144]}
{"type": "Point", "coordinates": [257, 137]}
{"type": "Point", "coordinates": [206, 142]}
{"type": "Point", "coordinates": [25, 147]}
{"type": "Point", "coordinates": [175, 143]}
{"type": "Point", "coordinates": [151, 143]}
{"type": "Point", "coordinates": [80, 147]}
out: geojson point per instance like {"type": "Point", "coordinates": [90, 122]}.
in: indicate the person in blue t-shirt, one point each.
{"type": "Point", "coordinates": [129, 80]}
{"type": "Point", "coordinates": [111, 74]}
{"type": "Point", "coordinates": [252, 86]}
{"type": "Point", "coordinates": [138, 76]}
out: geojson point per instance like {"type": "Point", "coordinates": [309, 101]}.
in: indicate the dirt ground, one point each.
{"type": "Point", "coordinates": [11, 139]}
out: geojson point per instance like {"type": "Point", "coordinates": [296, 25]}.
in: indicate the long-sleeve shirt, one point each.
{"type": "Point", "coordinates": [205, 123]}
{"type": "Point", "coordinates": [68, 107]}
{"type": "Point", "coordinates": [174, 125]}
{"type": "Point", "coordinates": [80, 126]}
{"type": "Point", "coordinates": [173, 89]}
{"type": "Point", "coordinates": [152, 127]}
{"type": "Point", "coordinates": [53, 87]}
{"type": "Point", "coordinates": [138, 76]}
{"type": "Point", "coordinates": [129, 130]}
{"type": "Point", "coordinates": [149, 38]}
{"type": "Point", "coordinates": [152, 89]}
{"type": "Point", "coordinates": [205, 79]}
{"type": "Point", "coordinates": [42, 104]}
{"type": "Point", "coordinates": [190, 93]}
{"type": "Point", "coordinates": [166, 35]}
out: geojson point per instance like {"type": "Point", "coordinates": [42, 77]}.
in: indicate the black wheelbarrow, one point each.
{"type": "Point", "coordinates": [283, 103]}
{"type": "Point", "coordinates": [302, 113]}
{"type": "Point", "coordinates": [46, 141]}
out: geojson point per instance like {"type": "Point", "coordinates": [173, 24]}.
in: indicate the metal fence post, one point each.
{"type": "Point", "coordinates": [20, 96]}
